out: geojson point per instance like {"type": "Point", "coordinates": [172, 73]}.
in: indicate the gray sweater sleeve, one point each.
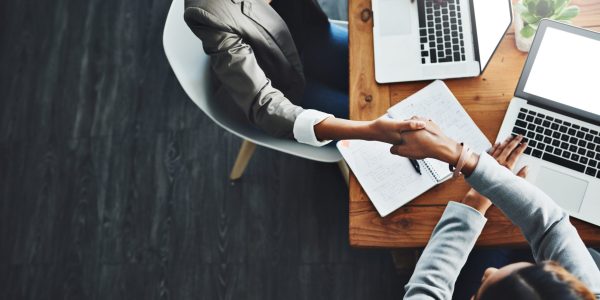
{"type": "Point", "coordinates": [544, 224]}
{"type": "Point", "coordinates": [446, 253]}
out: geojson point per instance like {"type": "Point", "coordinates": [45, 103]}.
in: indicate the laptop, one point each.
{"type": "Point", "coordinates": [556, 107]}
{"type": "Point", "coordinates": [436, 39]}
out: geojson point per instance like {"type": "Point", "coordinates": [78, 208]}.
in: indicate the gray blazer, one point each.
{"type": "Point", "coordinates": [254, 57]}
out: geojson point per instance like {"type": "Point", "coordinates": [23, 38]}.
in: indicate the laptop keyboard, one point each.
{"type": "Point", "coordinates": [560, 142]}
{"type": "Point", "coordinates": [441, 31]}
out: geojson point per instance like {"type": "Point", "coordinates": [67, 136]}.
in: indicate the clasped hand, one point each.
{"type": "Point", "coordinates": [430, 142]}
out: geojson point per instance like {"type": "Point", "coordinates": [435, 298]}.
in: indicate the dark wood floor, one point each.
{"type": "Point", "coordinates": [114, 186]}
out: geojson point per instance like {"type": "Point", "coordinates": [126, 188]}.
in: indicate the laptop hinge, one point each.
{"type": "Point", "coordinates": [563, 112]}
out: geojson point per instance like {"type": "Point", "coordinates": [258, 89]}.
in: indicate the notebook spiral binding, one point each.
{"type": "Point", "coordinates": [436, 176]}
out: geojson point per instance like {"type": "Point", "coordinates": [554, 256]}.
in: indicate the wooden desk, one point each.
{"type": "Point", "coordinates": [485, 98]}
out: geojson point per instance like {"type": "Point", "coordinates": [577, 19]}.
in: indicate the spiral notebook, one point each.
{"type": "Point", "coordinates": [389, 180]}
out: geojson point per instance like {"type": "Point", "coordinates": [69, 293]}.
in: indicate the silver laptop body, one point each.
{"type": "Point", "coordinates": [423, 39]}
{"type": "Point", "coordinates": [557, 108]}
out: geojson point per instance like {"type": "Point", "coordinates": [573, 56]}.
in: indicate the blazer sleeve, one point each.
{"type": "Point", "coordinates": [544, 224]}
{"type": "Point", "coordinates": [446, 253]}
{"type": "Point", "coordinates": [236, 67]}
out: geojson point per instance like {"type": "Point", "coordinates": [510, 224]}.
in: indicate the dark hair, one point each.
{"type": "Point", "coordinates": [547, 281]}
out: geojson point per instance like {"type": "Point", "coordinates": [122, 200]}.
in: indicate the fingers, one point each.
{"type": "Point", "coordinates": [396, 149]}
{"type": "Point", "coordinates": [523, 172]}
{"type": "Point", "coordinates": [410, 125]}
{"type": "Point", "coordinates": [515, 154]}
{"type": "Point", "coordinates": [493, 149]}
{"type": "Point", "coordinates": [501, 147]}
{"type": "Point", "coordinates": [509, 148]}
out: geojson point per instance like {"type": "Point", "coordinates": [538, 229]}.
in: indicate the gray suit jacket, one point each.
{"type": "Point", "coordinates": [254, 57]}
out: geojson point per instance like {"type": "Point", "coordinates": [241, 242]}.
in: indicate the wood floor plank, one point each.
{"type": "Point", "coordinates": [113, 185]}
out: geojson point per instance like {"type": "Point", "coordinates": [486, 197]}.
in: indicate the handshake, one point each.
{"type": "Point", "coordinates": [419, 138]}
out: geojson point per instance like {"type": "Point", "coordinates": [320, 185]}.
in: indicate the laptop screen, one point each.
{"type": "Point", "coordinates": [566, 70]}
{"type": "Point", "coordinates": [492, 19]}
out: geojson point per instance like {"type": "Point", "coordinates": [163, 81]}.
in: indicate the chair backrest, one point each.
{"type": "Point", "coordinates": [192, 69]}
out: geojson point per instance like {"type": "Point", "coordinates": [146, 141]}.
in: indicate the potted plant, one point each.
{"type": "Point", "coordinates": [529, 13]}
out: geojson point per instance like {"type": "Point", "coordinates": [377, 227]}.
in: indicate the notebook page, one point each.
{"type": "Point", "coordinates": [436, 102]}
{"type": "Point", "coordinates": [389, 180]}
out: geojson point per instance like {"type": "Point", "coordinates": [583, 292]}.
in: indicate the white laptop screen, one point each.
{"type": "Point", "coordinates": [492, 18]}
{"type": "Point", "coordinates": [567, 70]}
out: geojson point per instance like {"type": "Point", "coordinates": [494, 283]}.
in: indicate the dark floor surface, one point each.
{"type": "Point", "coordinates": [113, 185]}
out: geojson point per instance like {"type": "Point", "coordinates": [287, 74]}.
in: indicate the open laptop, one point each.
{"type": "Point", "coordinates": [436, 39]}
{"type": "Point", "coordinates": [557, 108]}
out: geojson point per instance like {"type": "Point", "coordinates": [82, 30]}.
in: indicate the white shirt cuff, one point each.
{"type": "Point", "coordinates": [304, 127]}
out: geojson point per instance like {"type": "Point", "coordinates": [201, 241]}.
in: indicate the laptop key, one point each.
{"type": "Point", "coordinates": [518, 130]}
{"type": "Point", "coordinates": [583, 160]}
{"type": "Point", "coordinates": [563, 162]}
{"type": "Point", "coordinates": [590, 154]}
{"type": "Point", "coordinates": [590, 171]}
{"type": "Point", "coordinates": [557, 151]}
{"type": "Point", "coordinates": [528, 151]}
{"type": "Point", "coordinates": [573, 148]}
{"type": "Point", "coordinates": [575, 157]}
{"type": "Point", "coordinates": [581, 151]}
{"type": "Point", "coordinates": [593, 163]}
{"type": "Point", "coordinates": [566, 154]}
{"type": "Point", "coordinates": [536, 153]}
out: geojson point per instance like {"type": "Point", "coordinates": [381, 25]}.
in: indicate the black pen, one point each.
{"type": "Point", "coordinates": [415, 165]}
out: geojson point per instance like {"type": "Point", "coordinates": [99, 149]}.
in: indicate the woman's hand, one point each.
{"type": "Point", "coordinates": [391, 131]}
{"type": "Point", "coordinates": [428, 143]}
{"type": "Point", "coordinates": [383, 129]}
{"type": "Point", "coordinates": [506, 153]}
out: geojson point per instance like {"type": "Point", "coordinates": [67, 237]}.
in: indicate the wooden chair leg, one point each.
{"type": "Point", "coordinates": [243, 157]}
{"type": "Point", "coordinates": [345, 170]}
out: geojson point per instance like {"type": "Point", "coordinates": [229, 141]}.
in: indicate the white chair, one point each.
{"type": "Point", "coordinates": [191, 67]}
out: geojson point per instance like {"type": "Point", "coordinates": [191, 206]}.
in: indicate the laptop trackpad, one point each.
{"type": "Point", "coordinates": [567, 191]}
{"type": "Point", "coordinates": [394, 17]}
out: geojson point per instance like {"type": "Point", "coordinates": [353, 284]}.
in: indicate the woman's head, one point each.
{"type": "Point", "coordinates": [527, 281]}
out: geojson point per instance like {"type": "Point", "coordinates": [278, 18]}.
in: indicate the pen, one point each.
{"type": "Point", "coordinates": [415, 165]}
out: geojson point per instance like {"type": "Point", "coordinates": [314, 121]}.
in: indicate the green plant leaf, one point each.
{"type": "Point", "coordinates": [531, 4]}
{"type": "Point", "coordinates": [529, 18]}
{"type": "Point", "coordinates": [527, 31]}
{"type": "Point", "coordinates": [559, 5]}
{"type": "Point", "coordinates": [544, 8]}
{"type": "Point", "coordinates": [568, 13]}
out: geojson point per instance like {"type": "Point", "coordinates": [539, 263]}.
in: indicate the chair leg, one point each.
{"type": "Point", "coordinates": [243, 157]}
{"type": "Point", "coordinates": [345, 170]}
